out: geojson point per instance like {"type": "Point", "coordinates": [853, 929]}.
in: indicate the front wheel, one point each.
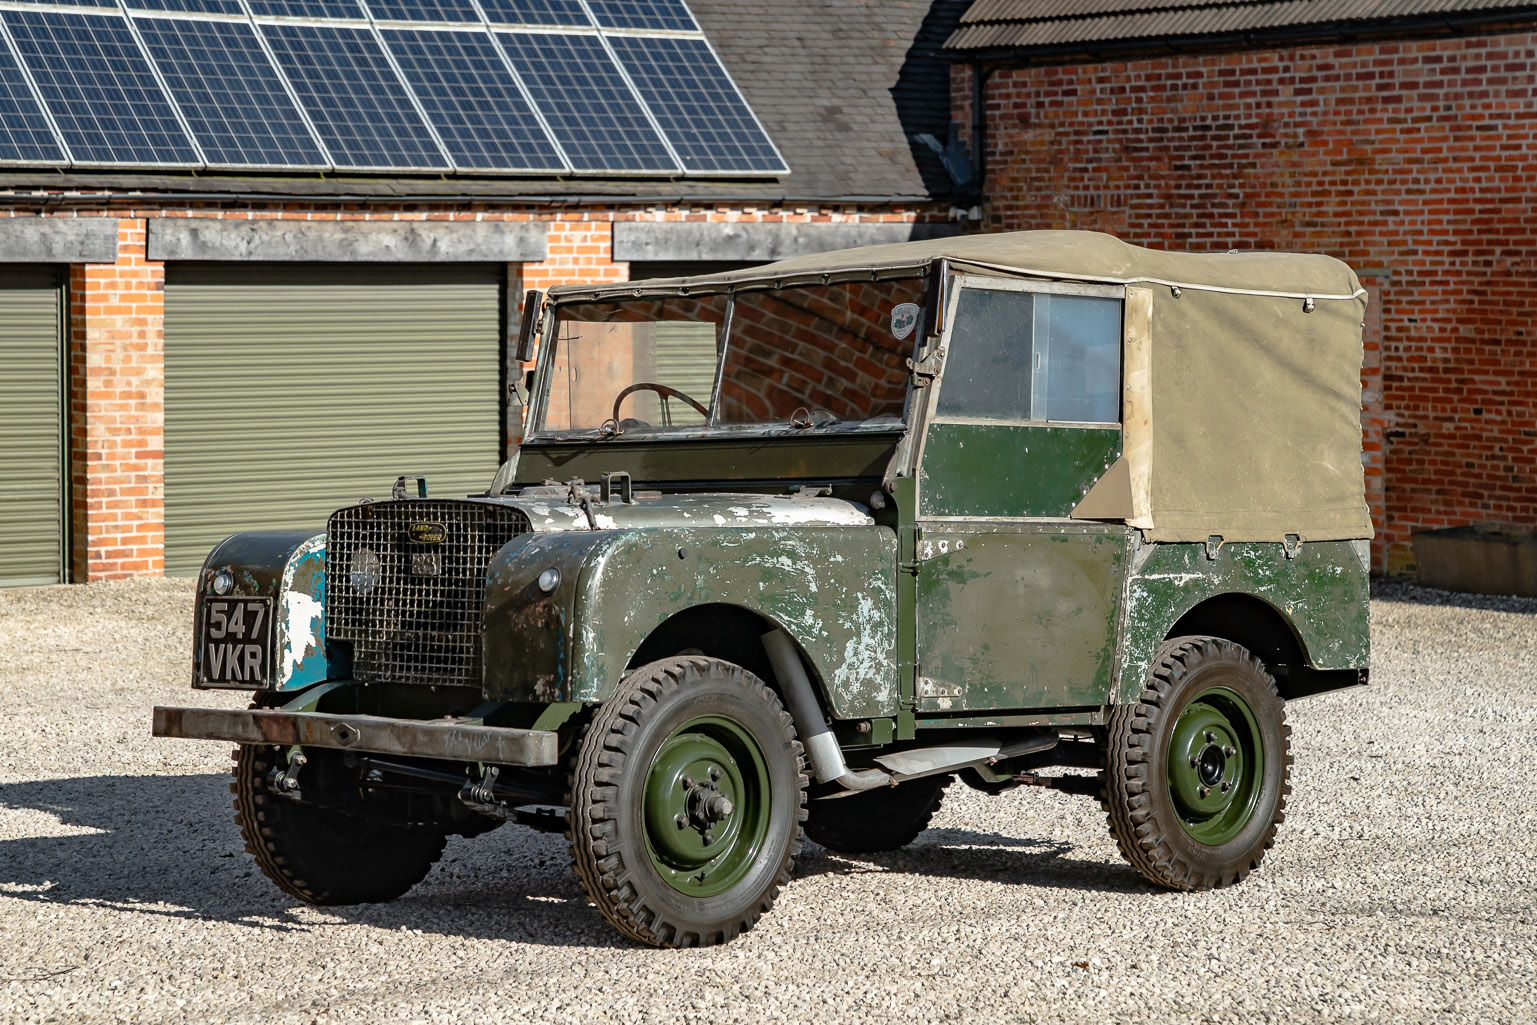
{"type": "Point", "coordinates": [688, 799]}
{"type": "Point", "coordinates": [1197, 771]}
{"type": "Point", "coordinates": [323, 855]}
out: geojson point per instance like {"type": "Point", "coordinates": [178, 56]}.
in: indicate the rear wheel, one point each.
{"type": "Point", "coordinates": [687, 803]}
{"type": "Point", "coordinates": [1198, 769]}
{"type": "Point", "coordinates": [322, 855]}
{"type": "Point", "coordinates": [876, 820]}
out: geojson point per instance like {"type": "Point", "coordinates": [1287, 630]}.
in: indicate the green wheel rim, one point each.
{"type": "Point", "coordinates": [1216, 766]}
{"type": "Point", "coordinates": [701, 761]}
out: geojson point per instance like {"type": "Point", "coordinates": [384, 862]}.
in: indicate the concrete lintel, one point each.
{"type": "Point", "coordinates": [196, 238]}
{"type": "Point", "coordinates": [669, 241]}
{"type": "Point", "coordinates": [58, 240]}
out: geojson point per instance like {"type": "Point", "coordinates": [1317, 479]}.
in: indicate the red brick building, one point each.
{"type": "Point", "coordinates": [188, 353]}
{"type": "Point", "coordinates": [1396, 136]}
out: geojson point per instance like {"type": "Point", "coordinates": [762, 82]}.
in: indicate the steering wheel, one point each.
{"type": "Point", "coordinates": [665, 392]}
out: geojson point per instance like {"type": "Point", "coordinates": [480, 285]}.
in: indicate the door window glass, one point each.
{"type": "Point", "coordinates": [1026, 356]}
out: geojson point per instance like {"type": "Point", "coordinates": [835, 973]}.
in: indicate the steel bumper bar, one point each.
{"type": "Point", "coordinates": [444, 739]}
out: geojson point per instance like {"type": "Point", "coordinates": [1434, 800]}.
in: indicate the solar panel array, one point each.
{"type": "Point", "coordinates": [590, 87]}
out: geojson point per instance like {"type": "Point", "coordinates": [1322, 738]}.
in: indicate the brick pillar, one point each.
{"type": "Point", "coordinates": [579, 251]}
{"type": "Point", "coordinates": [117, 409]}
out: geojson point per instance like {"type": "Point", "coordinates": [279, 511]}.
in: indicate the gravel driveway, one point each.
{"type": "Point", "coordinates": [1401, 888]}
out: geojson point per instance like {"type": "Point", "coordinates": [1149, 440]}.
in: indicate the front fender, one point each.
{"type": "Point", "coordinates": [833, 588]}
{"type": "Point", "coordinates": [289, 567]}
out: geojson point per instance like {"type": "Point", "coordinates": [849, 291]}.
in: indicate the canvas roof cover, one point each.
{"type": "Point", "coordinates": [1242, 407]}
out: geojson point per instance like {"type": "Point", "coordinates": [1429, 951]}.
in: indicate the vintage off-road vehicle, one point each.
{"type": "Point", "coordinates": [785, 551]}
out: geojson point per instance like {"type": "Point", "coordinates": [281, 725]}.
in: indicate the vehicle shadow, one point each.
{"type": "Point", "coordinates": [168, 846]}
{"type": "Point", "coordinates": [966, 854]}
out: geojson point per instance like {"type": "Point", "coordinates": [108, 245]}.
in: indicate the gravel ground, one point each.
{"type": "Point", "coordinates": [1401, 888]}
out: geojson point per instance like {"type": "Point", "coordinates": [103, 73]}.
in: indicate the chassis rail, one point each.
{"type": "Point", "coordinates": [447, 740]}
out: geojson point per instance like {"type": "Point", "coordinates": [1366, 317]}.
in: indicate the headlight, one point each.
{"type": "Point", "coordinates": [365, 571]}
{"type": "Point", "coordinates": [549, 580]}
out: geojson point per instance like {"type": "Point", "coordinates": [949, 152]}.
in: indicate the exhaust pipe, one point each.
{"type": "Point", "coordinates": [816, 736]}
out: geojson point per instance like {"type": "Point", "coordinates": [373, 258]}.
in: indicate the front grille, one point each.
{"type": "Point", "coordinates": [420, 620]}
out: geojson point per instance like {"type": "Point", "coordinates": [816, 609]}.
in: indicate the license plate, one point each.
{"type": "Point", "coordinates": [237, 641]}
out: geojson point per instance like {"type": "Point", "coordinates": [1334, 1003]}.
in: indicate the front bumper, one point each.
{"type": "Point", "coordinates": [415, 738]}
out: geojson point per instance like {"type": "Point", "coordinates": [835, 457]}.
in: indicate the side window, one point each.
{"type": "Point", "coordinates": [1033, 356]}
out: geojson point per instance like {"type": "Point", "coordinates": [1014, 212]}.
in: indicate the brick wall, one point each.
{"type": "Point", "coordinates": [117, 412]}
{"type": "Point", "coordinates": [116, 346]}
{"type": "Point", "coordinates": [1413, 161]}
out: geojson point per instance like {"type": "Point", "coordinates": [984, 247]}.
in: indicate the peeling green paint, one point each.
{"type": "Point", "coordinates": [1017, 615]}
{"type": "Point", "coordinates": [832, 587]}
{"type": "Point", "coordinates": [1321, 592]}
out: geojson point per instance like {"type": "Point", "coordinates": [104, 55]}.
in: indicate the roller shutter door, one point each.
{"type": "Point", "coordinates": [31, 426]}
{"type": "Point", "coordinates": [292, 389]}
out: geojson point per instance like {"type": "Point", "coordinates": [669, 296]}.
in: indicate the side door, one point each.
{"type": "Point", "coordinates": [1017, 602]}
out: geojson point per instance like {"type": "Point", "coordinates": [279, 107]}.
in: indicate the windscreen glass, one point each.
{"type": "Point", "coordinates": [817, 356]}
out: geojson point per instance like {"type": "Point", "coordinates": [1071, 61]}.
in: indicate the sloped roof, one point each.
{"type": "Point", "coordinates": [847, 90]}
{"type": "Point", "coordinates": [1096, 25]}
{"type": "Point", "coordinates": [844, 87]}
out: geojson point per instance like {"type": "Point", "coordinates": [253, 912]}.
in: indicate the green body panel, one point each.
{"type": "Point", "coordinates": [833, 588]}
{"type": "Point", "coordinates": [1018, 615]}
{"type": "Point", "coordinates": [768, 455]}
{"type": "Point", "coordinates": [31, 426]}
{"type": "Point", "coordinates": [1322, 592]}
{"type": "Point", "coordinates": [982, 469]}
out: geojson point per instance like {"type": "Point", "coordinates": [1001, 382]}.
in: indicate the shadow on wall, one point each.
{"type": "Point", "coordinates": [167, 845]}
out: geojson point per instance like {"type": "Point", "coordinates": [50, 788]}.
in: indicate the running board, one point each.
{"type": "Point", "coordinates": [931, 761]}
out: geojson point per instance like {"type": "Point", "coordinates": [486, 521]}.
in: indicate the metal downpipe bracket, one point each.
{"type": "Point", "coordinates": [816, 736]}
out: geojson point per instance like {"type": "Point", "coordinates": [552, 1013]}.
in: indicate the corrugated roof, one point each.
{"type": "Point", "coordinates": [993, 25]}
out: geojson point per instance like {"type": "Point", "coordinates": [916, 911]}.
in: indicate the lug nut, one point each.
{"type": "Point", "coordinates": [688, 782]}
{"type": "Point", "coordinates": [1226, 786]}
{"type": "Point", "coordinates": [714, 773]}
{"type": "Point", "coordinates": [1230, 750]}
{"type": "Point", "coordinates": [709, 838]}
{"type": "Point", "coordinates": [1211, 738]}
{"type": "Point", "coordinates": [682, 822]}
{"type": "Point", "coordinates": [1203, 791]}
{"type": "Point", "coordinates": [1192, 763]}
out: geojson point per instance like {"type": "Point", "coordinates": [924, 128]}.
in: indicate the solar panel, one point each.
{"type": "Point", "coordinates": [667, 15]}
{"type": "Point", "coordinates": [188, 6]}
{"type": "Point", "coordinates": [306, 9]}
{"type": "Point", "coordinates": [424, 10]}
{"type": "Point", "coordinates": [472, 100]}
{"type": "Point", "coordinates": [72, 3]}
{"type": "Point", "coordinates": [24, 133]}
{"type": "Point", "coordinates": [564, 13]}
{"type": "Point", "coordinates": [230, 94]}
{"type": "Point", "coordinates": [710, 126]}
{"type": "Point", "coordinates": [586, 103]}
{"type": "Point", "coordinates": [99, 88]}
{"type": "Point", "coordinates": [353, 97]}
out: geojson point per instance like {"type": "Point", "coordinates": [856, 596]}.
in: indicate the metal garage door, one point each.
{"type": "Point", "coordinates": [292, 389]}
{"type": "Point", "coordinates": [31, 426]}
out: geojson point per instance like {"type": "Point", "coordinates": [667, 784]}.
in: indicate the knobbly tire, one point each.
{"type": "Point", "coordinates": [322, 856]}
{"type": "Point", "coordinates": [876, 820]}
{"type": "Point", "coordinates": [688, 803]}
{"type": "Point", "coordinates": [1197, 771]}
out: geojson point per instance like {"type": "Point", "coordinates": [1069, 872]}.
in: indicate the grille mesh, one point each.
{"type": "Point", "coordinates": [421, 621]}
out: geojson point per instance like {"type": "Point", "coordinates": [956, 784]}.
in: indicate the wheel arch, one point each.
{"type": "Point", "coordinates": [732, 633]}
{"type": "Point", "coordinates": [1267, 632]}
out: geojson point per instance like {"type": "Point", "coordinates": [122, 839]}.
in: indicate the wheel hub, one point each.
{"type": "Point", "coordinates": [706, 806]}
{"type": "Point", "coordinates": [1216, 765]}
